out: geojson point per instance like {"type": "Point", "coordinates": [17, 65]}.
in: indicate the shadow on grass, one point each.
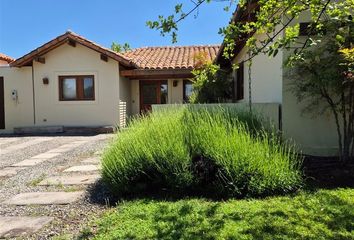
{"type": "Point", "coordinates": [325, 214]}
{"type": "Point", "coordinates": [101, 193]}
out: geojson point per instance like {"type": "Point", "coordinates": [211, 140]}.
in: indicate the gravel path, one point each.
{"type": "Point", "coordinates": [68, 219]}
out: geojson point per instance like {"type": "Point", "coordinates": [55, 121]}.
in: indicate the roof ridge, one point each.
{"type": "Point", "coordinates": [76, 37]}
{"type": "Point", "coordinates": [69, 32]}
{"type": "Point", "coordinates": [169, 46]}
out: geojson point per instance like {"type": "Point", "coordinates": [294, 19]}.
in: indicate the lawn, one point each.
{"type": "Point", "coordinates": [325, 214]}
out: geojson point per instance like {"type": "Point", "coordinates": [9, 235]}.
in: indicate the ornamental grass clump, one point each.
{"type": "Point", "coordinates": [193, 149]}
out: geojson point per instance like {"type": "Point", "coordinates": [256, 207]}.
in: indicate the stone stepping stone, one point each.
{"type": "Point", "coordinates": [36, 159]}
{"type": "Point", "coordinates": [94, 160]}
{"type": "Point", "coordinates": [9, 171]}
{"type": "Point", "coordinates": [83, 168]}
{"type": "Point", "coordinates": [45, 155]}
{"type": "Point", "coordinates": [70, 180]}
{"type": "Point", "coordinates": [29, 143]}
{"type": "Point", "coordinates": [67, 147]}
{"type": "Point", "coordinates": [11, 227]}
{"type": "Point", "coordinates": [44, 198]}
{"type": "Point", "coordinates": [61, 149]}
{"type": "Point", "coordinates": [28, 163]}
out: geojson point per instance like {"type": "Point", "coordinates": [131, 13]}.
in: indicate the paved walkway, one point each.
{"type": "Point", "coordinates": [43, 185]}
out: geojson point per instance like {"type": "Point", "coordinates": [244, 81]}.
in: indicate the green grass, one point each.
{"type": "Point", "coordinates": [221, 151]}
{"type": "Point", "coordinates": [36, 181]}
{"type": "Point", "coordinates": [326, 214]}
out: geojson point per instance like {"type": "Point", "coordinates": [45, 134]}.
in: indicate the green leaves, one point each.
{"type": "Point", "coordinates": [120, 47]}
{"type": "Point", "coordinates": [178, 8]}
{"type": "Point", "coordinates": [169, 25]}
{"type": "Point", "coordinates": [272, 18]}
{"type": "Point", "coordinates": [166, 25]}
{"type": "Point", "coordinates": [211, 84]}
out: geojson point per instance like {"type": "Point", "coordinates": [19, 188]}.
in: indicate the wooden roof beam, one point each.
{"type": "Point", "coordinates": [157, 73]}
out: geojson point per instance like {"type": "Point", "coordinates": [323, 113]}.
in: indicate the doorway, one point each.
{"type": "Point", "coordinates": [152, 92]}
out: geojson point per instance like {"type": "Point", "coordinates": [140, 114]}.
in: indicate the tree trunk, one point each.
{"type": "Point", "coordinates": [336, 117]}
{"type": "Point", "coordinates": [332, 105]}
{"type": "Point", "coordinates": [346, 129]}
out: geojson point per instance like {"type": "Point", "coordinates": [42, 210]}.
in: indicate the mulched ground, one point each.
{"type": "Point", "coordinates": [328, 172]}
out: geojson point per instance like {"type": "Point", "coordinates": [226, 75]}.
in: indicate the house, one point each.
{"type": "Point", "coordinates": [73, 82]}
{"type": "Point", "coordinates": [266, 81]}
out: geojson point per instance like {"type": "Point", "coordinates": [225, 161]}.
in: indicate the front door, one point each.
{"type": "Point", "coordinates": [152, 92]}
{"type": "Point", "coordinates": [2, 104]}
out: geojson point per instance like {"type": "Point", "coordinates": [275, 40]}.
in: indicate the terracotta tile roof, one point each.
{"type": "Point", "coordinates": [64, 38]}
{"type": "Point", "coordinates": [182, 57]}
{"type": "Point", "coordinates": [176, 57]}
{"type": "Point", "coordinates": [6, 58]}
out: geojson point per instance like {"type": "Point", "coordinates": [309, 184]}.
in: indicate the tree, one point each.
{"type": "Point", "coordinates": [328, 63]}
{"type": "Point", "coordinates": [211, 84]}
{"type": "Point", "coordinates": [262, 16]}
{"type": "Point", "coordinates": [120, 47]}
{"type": "Point", "coordinates": [323, 78]}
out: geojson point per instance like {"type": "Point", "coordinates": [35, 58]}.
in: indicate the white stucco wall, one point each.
{"type": "Point", "coordinates": [175, 94]}
{"type": "Point", "coordinates": [266, 76]}
{"type": "Point", "coordinates": [17, 112]}
{"type": "Point", "coordinates": [315, 134]}
{"type": "Point", "coordinates": [79, 60]}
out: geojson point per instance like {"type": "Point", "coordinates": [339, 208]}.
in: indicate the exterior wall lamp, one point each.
{"type": "Point", "coordinates": [45, 81]}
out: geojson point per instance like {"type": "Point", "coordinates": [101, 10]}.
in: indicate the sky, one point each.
{"type": "Point", "coordinates": [27, 24]}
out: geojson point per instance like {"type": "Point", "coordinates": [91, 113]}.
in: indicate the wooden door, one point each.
{"type": "Point", "coordinates": [152, 92]}
{"type": "Point", "coordinates": [2, 104]}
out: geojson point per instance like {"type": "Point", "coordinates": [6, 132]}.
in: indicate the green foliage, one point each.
{"type": "Point", "coordinates": [269, 16]}
{"type": "Point", "coordinates": [274, 16]}
{"type": "Point", "coordinates": [169, 24]}
{"type": "Point", "coordinates": [221, 151]}
{"type": "Point", "coordinates": [323, 79]}
{"type": "Point", "coordinates": [119, 48]}
{"type": "Point", "coordinates": [324, 215]}
{"type": "Point", "coordinates": [211, 85]}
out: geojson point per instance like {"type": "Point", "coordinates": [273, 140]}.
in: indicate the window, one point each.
{"type": "Point", "coordinates": [187, 90]}
{"type": "Point", "coordinates": [305, 28]}
{"type": "Point", "coordinates": [76, 88]}
{"type": "Point", "coordinates": [239, 83]}
{"type": "Point", "coordinates": [309, 29]}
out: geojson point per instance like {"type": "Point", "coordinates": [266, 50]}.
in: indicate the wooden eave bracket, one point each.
{"type": "Point", "coordinates": [104, 57]}
{"type": "Point", "coordinates": [40, 60]}
{"type": "Point", "coordinates": [72, 42]}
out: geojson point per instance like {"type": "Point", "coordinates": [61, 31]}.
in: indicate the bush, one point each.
{"type": "Point", "coordinates": [189, 149]}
